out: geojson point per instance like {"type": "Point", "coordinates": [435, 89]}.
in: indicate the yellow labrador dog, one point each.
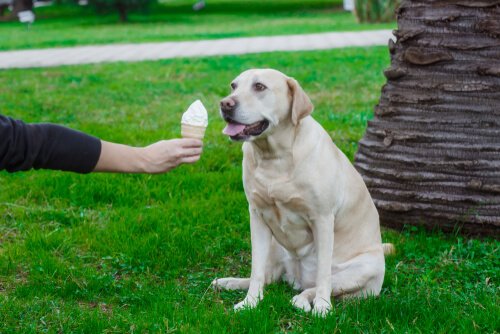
{"type": "Point", "coordinates": [312, 220]}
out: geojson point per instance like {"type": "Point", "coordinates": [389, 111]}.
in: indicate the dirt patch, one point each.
{"type": "Point", "coordinates": [103, 307]}
{"type": "Point", "coordinates": [8, 235]}
{"type": "Point", "coordinates": [3, 288]}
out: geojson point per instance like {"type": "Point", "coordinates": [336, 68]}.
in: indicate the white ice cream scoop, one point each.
{"type": "Point", "coordinates": [195, 115]}
{"type": "Point", "coordinates": [194, 121]}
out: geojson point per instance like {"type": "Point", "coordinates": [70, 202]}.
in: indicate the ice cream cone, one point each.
{"type": "Point", "coordinates": [193, 131]}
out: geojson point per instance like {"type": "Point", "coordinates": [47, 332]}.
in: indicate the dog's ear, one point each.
{"type": "Point", "coordinates": [301, 104]}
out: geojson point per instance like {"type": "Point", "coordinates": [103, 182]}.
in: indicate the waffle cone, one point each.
{"type": "Point", "coordinates": [192, 131]}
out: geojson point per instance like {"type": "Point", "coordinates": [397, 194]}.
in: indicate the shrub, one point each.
{"type": "Point", "coordinates": [376, 10]}
{"type": "Point", "coordinates": [123, 7]}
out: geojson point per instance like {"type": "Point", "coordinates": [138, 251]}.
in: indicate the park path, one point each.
{"type": "Point", "coordinates": [165, 50]}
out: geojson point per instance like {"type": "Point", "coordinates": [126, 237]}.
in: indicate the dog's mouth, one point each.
{"type": "Point", "coordinates": [238, 131]}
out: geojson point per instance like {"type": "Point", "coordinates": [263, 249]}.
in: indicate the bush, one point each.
{"type": "Point", "coordinates": [123, 7]}
{"type": "Point", "coordinates": [376, 10]}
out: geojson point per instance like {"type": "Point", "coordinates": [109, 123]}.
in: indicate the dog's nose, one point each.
{"type": "Point", "coordinates": [227, 103]}
{"type": "Point", "coordinates": [227, 106]}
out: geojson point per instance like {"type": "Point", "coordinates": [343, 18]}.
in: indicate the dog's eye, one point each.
{"type": "Point", "coordinates": [233, 85]}
{"type": "Point", "coordinates": [259, 87]}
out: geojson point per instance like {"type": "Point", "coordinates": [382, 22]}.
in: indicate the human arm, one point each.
{"type": "Point", "coordinates": [25, 146]}
{"type": "Point", "coordinates": [159, 157]}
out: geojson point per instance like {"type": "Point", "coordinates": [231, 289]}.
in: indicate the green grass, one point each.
{"type": "Point", "coordinates": [136, 253]}
{"type": "Point", "coordinates": [175, 20]}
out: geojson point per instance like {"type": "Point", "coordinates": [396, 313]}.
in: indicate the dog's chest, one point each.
{"type": "Point", "coordinates": [276, 199]}
{"type": "Point", "coordinates": [275, 188]}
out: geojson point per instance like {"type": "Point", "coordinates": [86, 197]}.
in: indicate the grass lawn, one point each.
{"type": "Point", "coordinates": [135, 253]}
{"type": "Point", "coordinates": [175, 20]}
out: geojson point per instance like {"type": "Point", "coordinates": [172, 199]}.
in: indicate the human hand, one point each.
{"type": "Point", "coordinates": [165, 155]}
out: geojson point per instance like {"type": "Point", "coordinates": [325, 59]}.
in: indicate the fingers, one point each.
{"type": "Point", "coordinates": [190, 142]}
{"type": "Point", "coordinates": [187, 152]}
{"type": "Point", "coordinates": [190, 160]}
{"type": "Point", "coordinates": [190, 155]}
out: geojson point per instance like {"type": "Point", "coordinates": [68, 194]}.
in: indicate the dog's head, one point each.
{"type": "Point", "coordinates": [262, 101]}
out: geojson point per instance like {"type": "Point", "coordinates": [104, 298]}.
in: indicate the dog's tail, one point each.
{"type": "Point", "coordinates": [389, 249]}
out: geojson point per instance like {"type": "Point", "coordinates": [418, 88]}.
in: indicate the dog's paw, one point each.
{"type": "Point", "coordinates": [223, 283]}
{"type": "Point", "coordinates": [321, 306]}
{"type": "Point", "coordinates": [247, 303]}
{"type": "Point", "coordinates": [230, 283]}
{"type": "Point", "coordinates": [301, 302]}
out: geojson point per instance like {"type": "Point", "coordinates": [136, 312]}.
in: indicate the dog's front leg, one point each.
{"type": "Point", "coordinates": [323, 236]}
{"type": "Point", "coordinates": [261, 244]}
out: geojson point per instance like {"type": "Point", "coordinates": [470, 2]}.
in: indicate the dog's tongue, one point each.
{"type": "Point", "coordinates": [232, 129]}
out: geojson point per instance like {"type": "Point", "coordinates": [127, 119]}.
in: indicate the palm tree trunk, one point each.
{"type": "Point", "coordinates": [431, 155]}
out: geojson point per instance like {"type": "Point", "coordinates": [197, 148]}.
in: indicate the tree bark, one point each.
{"type": "Point", "coordinates": [431, 155]}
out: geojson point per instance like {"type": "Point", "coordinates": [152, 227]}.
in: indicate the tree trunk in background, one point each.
{"type": "Point", "coordinates": [21, 5]}
{"type": "Point", "coordinates": [431, 155]}
{"type": "Point", "coordinates": [3, 9]}
{"type": "Point", "coordinates": [122, 11]}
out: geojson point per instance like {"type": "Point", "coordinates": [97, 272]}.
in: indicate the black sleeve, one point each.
{"type": "Point", "coordinates": [24, 146]}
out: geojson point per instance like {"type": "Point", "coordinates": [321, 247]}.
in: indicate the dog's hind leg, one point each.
{"type": "Point", "coordinates": [359, 277]}
{"type": "Point", "coordinates": [231, 283]}
{"type": "Point", "coordinates": [274, 270]}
